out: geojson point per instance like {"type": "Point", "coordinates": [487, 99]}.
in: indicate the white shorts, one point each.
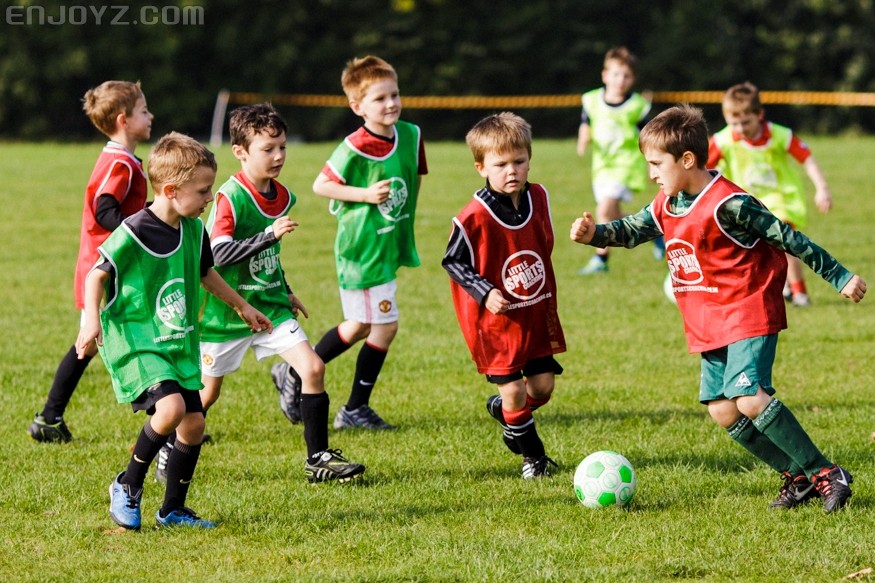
{"type": "Point", "coordinates": [222, 358]}
{"type": "Point", "coordinates": [611, 190]}
{"type": "Point", "coordinates": [374, 305]}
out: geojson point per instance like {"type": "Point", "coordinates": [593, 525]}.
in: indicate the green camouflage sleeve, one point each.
{"type": "Point", "coordinates": [630, 231]}
{"type": "Point", "coordinates": [746, 220]}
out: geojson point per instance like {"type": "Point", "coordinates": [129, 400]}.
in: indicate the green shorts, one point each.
{"type": "Point", "coordinates": [738, 369]}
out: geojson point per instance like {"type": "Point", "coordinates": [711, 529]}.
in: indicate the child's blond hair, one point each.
{"type": "Point", "coordinates": [175, 158]}
{"type": "Point", "coordinates": [499, 133]}
{"type": "Point", "coordinates": [676, 130]}
{"type": "Point", "coordinates": [361, 73]}
{"type": "Point", "coordinates": [742, 98]}
{"type": "Point", "coordinates": [104, 103]}
{"type": "Point", "coordinates": [623, 56]}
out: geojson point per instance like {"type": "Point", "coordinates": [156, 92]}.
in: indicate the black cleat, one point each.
{"type": "Point", "coordinates": [331, 465]}
{"type": "Point", "coordinates": [797, 490]}
{"type": "Point", "coordinates": [288, 383]}
{"type": "Point", "coordinates": [161, 462]}
{"type": "Point", "coordinates": [833, 485]}
{"type": "Point", "coordinates": [45, 432]}
{"type": "Point", "coordinates": [493, 406]}
{"type": "Point", "coordinates": [537, 467]}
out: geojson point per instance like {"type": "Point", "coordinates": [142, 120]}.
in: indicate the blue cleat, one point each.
{"type": "Point", "coordinates": [182, 517]}
{"type": "Point", "coordinates": [124, 504]}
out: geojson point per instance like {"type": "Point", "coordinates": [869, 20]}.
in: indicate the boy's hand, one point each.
{"type": "Point", "coordinates": [283, 225]}
{"type": "Point", "coordinates": [495, 302]}
{"type": "Point", "coordinates": [823, 199]}
{"type": "Point", "coordinates": [378, 192]}
{"type": "Point", "coordinates": [855, 289]}
{"type": "Point", "coordinates": [583, 229]}
{"type": "Point", "coordinates": [256, 321]}
{"type": "Point", "coordinates": [88, 333]}
{"type": "Point", "coordinates": [297, 306]}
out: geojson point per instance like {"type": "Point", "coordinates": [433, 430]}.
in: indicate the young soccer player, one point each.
{"type": "Point", "coordinates": [610, 120]}
{"type": "Point", "coordinates": [373, 179]}
{"type": "Point", "coordinates": [504, 291]}
{"type": "Point", "coordinates": [147, 331]}
{"type": "Point", "coordinates": [117, 189]}
{"type": "Point", "coordinates": [725, 253]}
{"type": "Point", "coordinates": [246, 225]}
{"type": "Point", "coordinates": [759, 155]}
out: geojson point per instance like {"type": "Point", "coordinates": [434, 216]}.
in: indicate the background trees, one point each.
{"type": "Point", "coordinates": [440, 47]}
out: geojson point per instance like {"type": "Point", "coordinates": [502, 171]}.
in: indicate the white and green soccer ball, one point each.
{"type": "Point", "coordinates": [604, 478]}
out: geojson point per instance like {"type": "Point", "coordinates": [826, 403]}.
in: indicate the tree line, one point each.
{"type": "Point", "coordinates": [185, 51]}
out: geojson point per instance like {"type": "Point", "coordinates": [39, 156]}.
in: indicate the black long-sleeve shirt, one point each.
{"type": "Point", "coordinates": [457, 258]}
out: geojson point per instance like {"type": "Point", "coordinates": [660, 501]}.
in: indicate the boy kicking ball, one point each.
{"type": "Point", "coordinates": [725, 252]}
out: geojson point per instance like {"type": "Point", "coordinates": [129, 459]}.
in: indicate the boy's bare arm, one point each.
{"type": "Point", "coordinates": [217, 286]}
{"type": "Point", "coordinates": [822, 195]}
{"type": "Point", "coordinates": [376, 193]}
{"type": "Point", "coordinates": [583, 138]}
{"type": "Point", "coordinates": [95, 283]}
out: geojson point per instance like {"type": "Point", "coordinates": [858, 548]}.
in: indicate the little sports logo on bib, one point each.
{"type": "Point", "coordinates": [394, 206]}
{"type": "Point", "coordinates": [682, 262]}
{"type": "Point", "coordinates": [170, 306]}
{"type": "Point", "coordinates": [524, 275]}
{"type": "Point", "coordinates": [263, 265]}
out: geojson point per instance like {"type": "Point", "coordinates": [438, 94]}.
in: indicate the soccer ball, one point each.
{"type": "Point", "coordinates": [604, 478]}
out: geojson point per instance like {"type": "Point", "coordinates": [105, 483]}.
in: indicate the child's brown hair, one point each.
{"type": "Point", "coordinates": [676, 130]}
{"type": "Point", "coordinates": [624, 56]}
{"type": "Point", "coordinates": [500, 133]}
{"type": "Point", "coordinates": [742, 98]}
{"type": "Point", "coordinates": [104, 103]}
{"type": "Point", "coordinates": [250, 120]}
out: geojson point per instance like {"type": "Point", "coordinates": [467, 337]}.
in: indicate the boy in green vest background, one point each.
{"type": "Point", "coordinates": [610, 120]}
{"type": "Point", "coordinates": [147, 332]}
{"type": "Point", "coordinates": [373, 180]}
{"type": "Point", "coordinates": [759, 155]}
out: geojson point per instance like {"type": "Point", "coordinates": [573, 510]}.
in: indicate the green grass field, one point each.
{"type": "Point", "coordinates": [442, 499]}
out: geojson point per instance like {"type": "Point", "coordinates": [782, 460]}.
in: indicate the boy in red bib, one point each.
{"type": "Point", "coordinates": [725, 253]}
{"type": "Point", "coordinates": [504, 290]}
{"type": "Point", "coordinates": [116, 190]}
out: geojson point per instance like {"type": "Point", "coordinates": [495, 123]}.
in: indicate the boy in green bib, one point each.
{"type": "Point", "coordinates": [373, 180]}
{"type": "Point", "coordinates": [147, 330]}
{"type": "Point", "coordinates": [246, 225]}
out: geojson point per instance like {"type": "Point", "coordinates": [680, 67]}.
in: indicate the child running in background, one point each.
{"type": "Point", "coordinates": [246, 225]}
{"type": "Point", "coordinates": [610, 120]}
{"type": "Point", "coordinates": [725, 252]}
{"type": "Point", "coordinates": [759, 155]}
{"type": "Point", "coordinates": [373, 179]}
{"type": "Point", "coordinates": [504, 291]}
{"type": "Point", "coordinates": [117, 189]}
{"type": "Point", "coordinates": [147, 331]}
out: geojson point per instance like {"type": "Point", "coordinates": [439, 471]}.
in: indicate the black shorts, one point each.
{"type": "Point", "coordinates": [147, 399]}
{"type": "Point", "coordinates": [531, 368]}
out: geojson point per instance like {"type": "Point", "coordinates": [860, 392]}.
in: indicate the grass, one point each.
{"type": "Point", "coordinates": [442, 499]}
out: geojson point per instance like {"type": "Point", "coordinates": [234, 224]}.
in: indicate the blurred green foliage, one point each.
{"type": "Point", "coordinates": [52, 51]}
